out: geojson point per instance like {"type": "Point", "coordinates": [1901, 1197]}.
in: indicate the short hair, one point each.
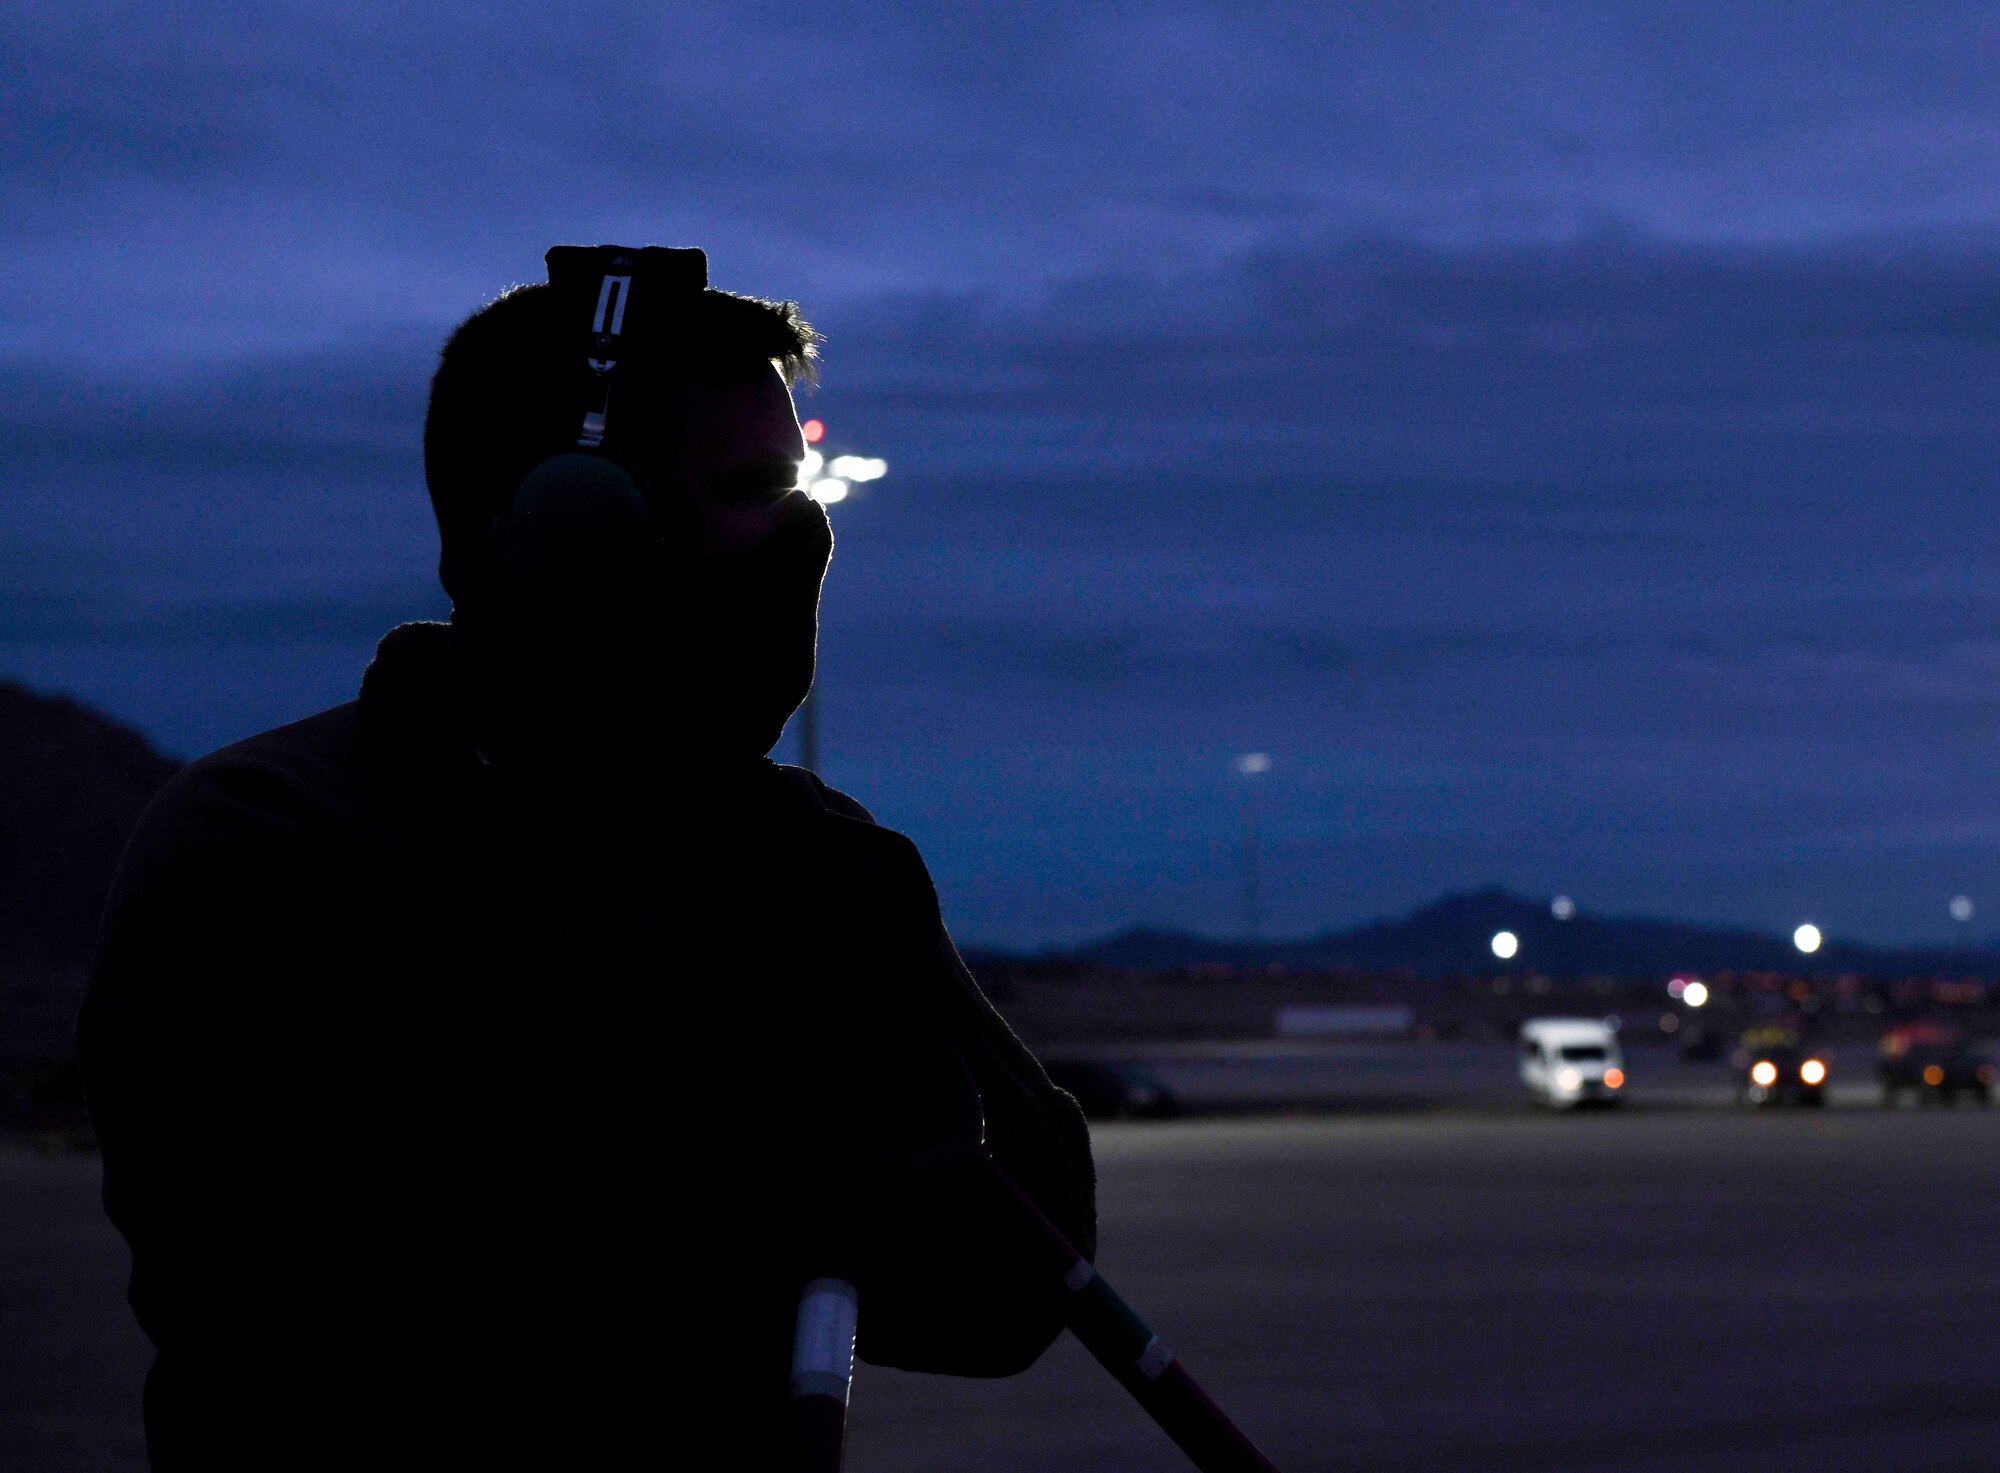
{"type": "Point", "coordinates": [511, 384]}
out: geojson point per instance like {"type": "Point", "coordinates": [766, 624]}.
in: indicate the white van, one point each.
{"type": "Point", "coordinates": [1572, 1061]}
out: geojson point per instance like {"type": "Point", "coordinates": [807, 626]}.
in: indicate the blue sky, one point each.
{"type": "Point", "coordinates": [1561, 435]}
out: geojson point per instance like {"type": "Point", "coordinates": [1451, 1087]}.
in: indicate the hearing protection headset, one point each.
{"type": "Point", "coordinates": [575, 518]}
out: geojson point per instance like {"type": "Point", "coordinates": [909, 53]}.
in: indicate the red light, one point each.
{"type": "Point", "coordinates": [815, 431]}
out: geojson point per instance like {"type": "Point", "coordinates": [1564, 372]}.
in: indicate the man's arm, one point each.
{"type": "Point", "coordinates": [961, 1297]}
{"type": "Point", "coordinates": [1035, 1130]}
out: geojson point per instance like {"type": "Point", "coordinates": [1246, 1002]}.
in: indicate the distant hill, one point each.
{"type": "Point", "coordinates": [1454, 935]}
{"type": "Point", "coordinates": [72, 783]}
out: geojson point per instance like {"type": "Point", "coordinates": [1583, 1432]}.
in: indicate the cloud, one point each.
{"type": "Point", "coordinates": [1614, 334]}
{"type": "Point", "coordinates": [1578, 409]}
{"type": "Point", "coordinates": [57, 619]}
{"type": "Point", "coordinates": [1436, 447]}
{"type": "Point", "coordinates": [240, 174]}
{"type": "Point", "coordinates": [360, 406]}
{"type": "Point", "coordinates": [1613, 360]}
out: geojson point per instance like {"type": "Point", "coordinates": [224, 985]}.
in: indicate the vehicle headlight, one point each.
{"type": "Point", "coordinates": [1569, 1079]}
{"type": "Point", "coordinates": [1812, 1071]}
{"type": "Point", "coordinates": [1764, 1072]}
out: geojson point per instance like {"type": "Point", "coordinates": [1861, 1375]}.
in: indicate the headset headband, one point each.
{"type": "Point", "coordinates": [605, 276]}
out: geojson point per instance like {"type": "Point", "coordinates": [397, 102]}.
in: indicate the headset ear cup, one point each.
{"type": "Point", "coordinates": [576, 526]}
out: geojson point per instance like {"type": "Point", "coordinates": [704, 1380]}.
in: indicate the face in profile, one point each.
{"type": "Point", "coordinates": [716, 627]}
{"type": "Point", "coordinates": [724, 459]}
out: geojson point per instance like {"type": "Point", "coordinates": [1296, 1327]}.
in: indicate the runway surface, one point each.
{"type": "Point", "coordinates": [1662, 1290]}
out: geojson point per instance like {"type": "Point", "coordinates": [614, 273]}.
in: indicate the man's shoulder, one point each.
{"type": "Point", "coordinates": [861, 848]}
{"type": "Point", "coordinates": [290, 776]}
{"type": "Point", "coordinates": [319, 754]}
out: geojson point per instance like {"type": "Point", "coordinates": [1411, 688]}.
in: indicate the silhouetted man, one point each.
{"type": "Point", "coordinates": [467, 1057]}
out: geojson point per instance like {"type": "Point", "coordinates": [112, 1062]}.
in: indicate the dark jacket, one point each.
{"type": "Point", "coordinates": [459, 1114]}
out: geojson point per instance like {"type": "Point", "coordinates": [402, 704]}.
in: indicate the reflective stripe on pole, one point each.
{"type": "Point", "coordinates": [822, 1372]}
{"type": "Point", "coordinates": [823, 1349]}
{"type": "Point", "coordinates": [1111, 1329]}
{"type": "Point", "coordinates": [1126, 1346]}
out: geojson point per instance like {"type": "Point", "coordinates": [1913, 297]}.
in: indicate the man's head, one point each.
{"type": "Point", "coordinates": [715, 606]}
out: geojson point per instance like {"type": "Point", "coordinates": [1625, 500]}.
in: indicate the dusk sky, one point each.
{"type": "Point", "coordinates": [1562, 436]}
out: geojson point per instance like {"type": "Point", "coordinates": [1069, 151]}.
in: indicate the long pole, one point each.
{"type": "Point", "coordinates": [1126, 1346]}
{"type": "Point", "coordinates": [1110, 1330]}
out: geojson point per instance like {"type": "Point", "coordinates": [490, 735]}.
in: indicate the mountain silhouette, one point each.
{"type": "Point", "coordinates": [1455, 935]}
{"type": "Point", "coordinates": [72, 783]}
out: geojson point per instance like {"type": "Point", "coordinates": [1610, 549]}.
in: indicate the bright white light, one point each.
{"type": "Point", "coordinates": [1505, 944]}
{"type": "Point", "coordinates": [1764, 1072]}
{"type": "Point", "coordinates": [1961, 908]}
{"type": "Point", "coordinates": [1695, 994]}
{"type": "Point", "coordinates": [858, 467]}
{"type": "Point", "coordinates": [1812, 1071]}
{"type": "Point", "coordinates": [1562, 907]}
{"type": "Point", "coordinates": [828, 491]}
{"type": "Point", "coordinates": [1251, 763]}
{"type": "Point", "coordinates": [809, 467]}
{"type": "Point", "coordinates": [1569, 1079]}
{"type": "Point", "coordinates": [1807, 938]}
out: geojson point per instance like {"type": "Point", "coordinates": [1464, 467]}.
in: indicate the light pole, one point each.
{"type": "Point", "coordinates": [828, 482]}
{"type": "Point", "coordinates": [1250, 764]}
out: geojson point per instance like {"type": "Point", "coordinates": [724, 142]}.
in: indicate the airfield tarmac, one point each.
{"type": "Point", "coordinates": [1664, 1289]}
{"type": "Point", "coordinates": [1676, 1291]}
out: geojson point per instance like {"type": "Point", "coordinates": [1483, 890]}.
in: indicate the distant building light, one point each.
{"type": "Point", "coordinates": [1251, 763]}
{"type": "Point", "coordinates": [1695, 994]}
{"type": "Point", "coordinates": [828, 491]}
{"type": "Point", "coordinates": [1505, 945]}
{"type": "Point", "coordinates": [1562, 907]}
{"type": "Point", "coordinates": [813, 430]}
{"type": "Point", "coordinates": [1807, 938]}
{"type": "Point", "coordinates": [1961, 908]}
